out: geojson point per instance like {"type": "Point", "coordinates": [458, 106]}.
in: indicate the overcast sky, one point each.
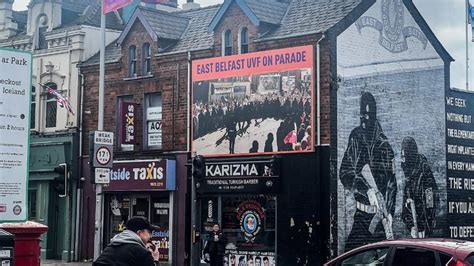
{"type": "Point", "coordinates": [445, 17]}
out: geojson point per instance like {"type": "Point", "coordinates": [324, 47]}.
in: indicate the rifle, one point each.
{"type": "Point", "coordinates": [386, 218]}
{"type": "Point", "coordinates": [413, 214]}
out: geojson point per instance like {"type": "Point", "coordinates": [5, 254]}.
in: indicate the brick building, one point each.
{"type": "Point", "coordinates": [296, 191]}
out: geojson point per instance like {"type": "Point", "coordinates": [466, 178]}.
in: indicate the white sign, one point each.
{"type": "Point", "coordinates": [153, 113]}
{"type": "Point", "coordinates": [103, 149]}
{"type": "Point", "coordinates": [5, 253]}
{"type": "Point", "coordinates": [103, 155]}
{"type": "Point", "coordinates": [102, 137]}
{"type": "Point", "coordinates": [154, 127]}
{"type": "Point", "coordinates": [102, 175]}
{"type": "Point", "coordinates": [15, 94]}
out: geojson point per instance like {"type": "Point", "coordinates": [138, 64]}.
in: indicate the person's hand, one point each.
{"type": "Point", "coordinates": [413, 232]}
{"type": "Point", "coordinates": [156, 254]}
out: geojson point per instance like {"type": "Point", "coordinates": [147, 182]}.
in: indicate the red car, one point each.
{"type": "Point", "coordinates": [416, 252]}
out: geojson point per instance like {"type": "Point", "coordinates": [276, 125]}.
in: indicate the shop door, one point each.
{"type": "Point", "coordinates": [141, 206]}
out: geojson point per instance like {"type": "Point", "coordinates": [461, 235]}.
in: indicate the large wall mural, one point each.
{"type": "Point", "coordinates": [391, 157]}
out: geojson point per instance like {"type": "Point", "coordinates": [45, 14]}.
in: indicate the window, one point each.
{"type": "Point", "coordinates": [227, 43]}
{"type": "Point", "coordinates": [33, 108]}
{"type": "Point", "coordinates": [444, 258]}
{"type": "Point", "coordinates": [32, 209]}
{"type": "Point", "coordinates": [126, 123]}
{"type": "Point", "coordinates": [51, 106]}
{"type": "Point", "coordinates": [414, 256]}
{"type": "Point", "coordinates": [146, 59]}
{"type": "Point", "coordinates": [244, 41]}
{"type": "Point", "coordinates": [153, 116]}
{"type": "Point", "coordinates": [374, 257]}
{"type": "Point", "coordinates": [132, 64]}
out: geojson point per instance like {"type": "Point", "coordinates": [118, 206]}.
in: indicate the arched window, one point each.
{"type": "Point", "coordinates": [51, 105]}
{"type": "Point", "coordinates": [146, 60]}
{"type": "Point", "coordinates": [132, 61]}
{"type": "Point", "coordinates": [244, 41]}
{"type": "Point", "coordinates": [227, 42]}
{"type": "Point", "coordinates": [33, 108]}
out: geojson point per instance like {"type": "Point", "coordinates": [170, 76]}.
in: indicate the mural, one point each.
{"type": "Point", "coordinates": [391, 157]}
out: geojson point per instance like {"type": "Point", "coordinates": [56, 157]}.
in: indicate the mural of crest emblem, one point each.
{"type": "Point", "coordinates": [393, 33]}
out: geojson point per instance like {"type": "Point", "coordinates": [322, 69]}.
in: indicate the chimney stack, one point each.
{"type": "Point", "coordinates": [8, 27]}
{"type": "Point", "coordinates": [190, 5]}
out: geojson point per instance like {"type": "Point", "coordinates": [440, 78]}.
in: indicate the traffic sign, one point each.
{"type": "Point", "coordinates": [102, 175]}
{"type": "Point", "coordinates": [103, 149]}
{"type": "Point", "coordinates": [103, 155]}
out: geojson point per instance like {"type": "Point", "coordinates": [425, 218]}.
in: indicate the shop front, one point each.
{"type": "Point", "coordinates": [142, 188]}
{"type": "Point", "coordinates": [241, 195]}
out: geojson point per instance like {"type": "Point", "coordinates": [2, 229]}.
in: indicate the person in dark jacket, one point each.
{"type": "Point", "coordinates": [129, 247]}
{"type": "Point", "coordinates": [216, 246]}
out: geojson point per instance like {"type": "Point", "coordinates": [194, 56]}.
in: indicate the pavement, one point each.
{"type": "Point", "coordinates": [61, 263]}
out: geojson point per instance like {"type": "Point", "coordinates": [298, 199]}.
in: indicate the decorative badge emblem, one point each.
{"type": "Point", "coordinates": [393, 34]}
{"type": "Point", "coordinates": [250, 215]}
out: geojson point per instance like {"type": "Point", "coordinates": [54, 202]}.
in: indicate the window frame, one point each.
{"type": "Point", "coordinates": [227, 48]}
{"type": "Point", "coordinates": [243, 44]}
{"type": "Point", "coordinates": [33, 103]}
{"type": "Point", "coordinates": [132, 61]}
{"type": "Point", "coordinates": [146, 105]}
{"type": "Point", "coordinates": [127, 98]}
{"type": "Point", "coordinates": [146, 59]}
{"type": "Point", "coordinates": [33, 206]}
{"type": "Point", "coordinates": [50, 100]}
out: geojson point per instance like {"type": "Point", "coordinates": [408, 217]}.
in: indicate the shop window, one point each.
{"type": "Point", "coordinates": [51, 106]}
{"type": "Point", "coordinates": [250, 219]}
{"type": "Point", "coordinates": [153, 117]}
{"type": "Point", "coordinates": [33, 108]}
{"type": "Point", "coordinates": [126, 123]}
{"type": "Point", "coordinates": [244, 41]}
{"type": "Point", "coordinates": [32, 208]}
{"type": "Point", "coordinates": [132, 61]}
{"type": "Point", "coordinates": [118, 215]}
{"type": "Point", "coordinates": [146, 54]}
{"type": "Point", "coordinates": [160, 217]}
{"type": "Point", "coordinates": [227, 43]}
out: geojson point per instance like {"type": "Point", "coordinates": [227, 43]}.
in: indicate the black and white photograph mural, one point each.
{"type": "Point", "coordinates": [391, 157]}
{"type": "Point", "coordinates": [254, 103]}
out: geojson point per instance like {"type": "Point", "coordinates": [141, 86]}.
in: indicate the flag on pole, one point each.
{"type": "Point", "coordinates": [111, 5]}
{"type": "Point", "coordinates": [63, 102]}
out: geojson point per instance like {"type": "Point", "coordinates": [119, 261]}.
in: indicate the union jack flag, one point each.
{"type": "Point", "coordinates": [63, 102]}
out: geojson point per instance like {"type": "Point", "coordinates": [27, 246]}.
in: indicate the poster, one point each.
{"type": "Point", "coordinates": [254, 103]}
{"type": "Point", "coordinates": [15, 89]}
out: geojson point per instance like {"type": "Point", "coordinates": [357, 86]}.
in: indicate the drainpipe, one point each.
{"type": "Point", "coordinates": [318, 90]}
{"type": "Point", "coordinates": [188, 121]}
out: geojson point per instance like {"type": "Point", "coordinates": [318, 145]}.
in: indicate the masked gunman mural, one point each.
{"type": "Point", "coordinates": [421, 194]}
{"type": "Point", "coordinates": [391, 129]}
{"type": "Point", "coordinates": [367, 171]}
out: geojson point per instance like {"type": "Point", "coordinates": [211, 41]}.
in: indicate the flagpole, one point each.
{"type": "Point", "coordinates": [100, 127]}
{"type": "Point", "coordinates": [467, 44]}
